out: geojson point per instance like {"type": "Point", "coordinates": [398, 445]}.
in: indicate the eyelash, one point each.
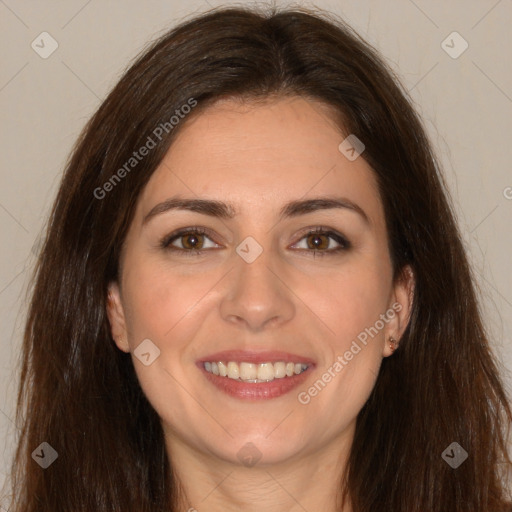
{"type": "Point", "coordinates": [196, 230]}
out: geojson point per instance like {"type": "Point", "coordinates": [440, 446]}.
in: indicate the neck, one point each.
{"type": "Point", "coordinates": [303, 482]}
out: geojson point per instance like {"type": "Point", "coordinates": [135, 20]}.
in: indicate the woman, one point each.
{"type": "Point", "coordinates": [253, 294]}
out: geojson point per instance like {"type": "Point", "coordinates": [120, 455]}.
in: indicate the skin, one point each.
{"type": "Point", "coordinates": [258, 156]}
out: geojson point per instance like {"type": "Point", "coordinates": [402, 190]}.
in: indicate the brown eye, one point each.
{"type": "Point", "coordinates": [192, 241]}
{"type": "Point", "coordinates": [188, 241]}
{"type": "Point", "coordinates": [320, 242]}
{"type": "Point", "coordinates": [317, 241]}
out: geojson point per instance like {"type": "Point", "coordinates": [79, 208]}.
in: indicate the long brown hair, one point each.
{"type": "Point", "coordinates": [80, 394]}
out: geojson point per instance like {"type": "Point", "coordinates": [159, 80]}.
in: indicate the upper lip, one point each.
{"type": "Point", "coordinates": [256, 357]}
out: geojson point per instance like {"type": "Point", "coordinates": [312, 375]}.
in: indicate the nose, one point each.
{"type": "Point", "coordinates": [257, 295]}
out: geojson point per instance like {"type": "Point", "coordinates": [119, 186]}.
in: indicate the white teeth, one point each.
{"type": "Point", "coordinates": [279, 370]}
{"type": "Point", "coordinates": [252, 372]}
{"type": "Point", "coordinates": [266, 371]}
{"type": "Point", "coordinates": [233, 370]}
{"type": "Point", "coordinates": [248, 371]}
{"type": "Point", "coordinates": [223, 371]}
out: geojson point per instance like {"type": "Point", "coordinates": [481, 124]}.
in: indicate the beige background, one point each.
{"type": "Point", "coordinates": [466, 104]}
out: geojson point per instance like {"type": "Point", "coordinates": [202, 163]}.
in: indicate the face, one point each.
{"type": "Point", "coordinates": [286, 278]}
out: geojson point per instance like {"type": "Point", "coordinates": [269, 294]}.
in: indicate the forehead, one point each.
{"type": "Point", "coordinates": [259, 155]}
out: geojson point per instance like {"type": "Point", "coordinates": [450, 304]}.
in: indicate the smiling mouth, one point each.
{"type": "Point", "coordinates": [254, 373]}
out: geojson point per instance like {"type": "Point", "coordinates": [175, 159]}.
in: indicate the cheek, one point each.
{"type": "Point", "coordinates": [163, 301]}
{"type": "Point", "coordinates": [351, 301]}
{"type": "Point", "coordinates": [166, 308]}
{"type": "Point", "coordinates": [352, 354]}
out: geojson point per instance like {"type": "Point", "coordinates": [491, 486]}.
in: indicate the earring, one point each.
{"type": "Point", "coordinates": [393, 344]}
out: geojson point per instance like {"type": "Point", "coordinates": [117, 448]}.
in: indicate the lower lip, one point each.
{"type": "Point", "coordinates": [258, 390]}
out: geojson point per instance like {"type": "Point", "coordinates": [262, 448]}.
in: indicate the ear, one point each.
{"type": "Point", "coordinates": [116, 317]}
{"type": "Point", "coordinates": [399, 308]}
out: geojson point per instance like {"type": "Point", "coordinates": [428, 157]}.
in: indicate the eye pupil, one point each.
{"type": "Point", "coordinates": [195, 241]}
{"type": "Point", "coordinates": [317, 241]}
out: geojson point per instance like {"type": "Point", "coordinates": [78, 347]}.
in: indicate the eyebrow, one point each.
{"type": "Point", "coordinates": [227, 211]}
